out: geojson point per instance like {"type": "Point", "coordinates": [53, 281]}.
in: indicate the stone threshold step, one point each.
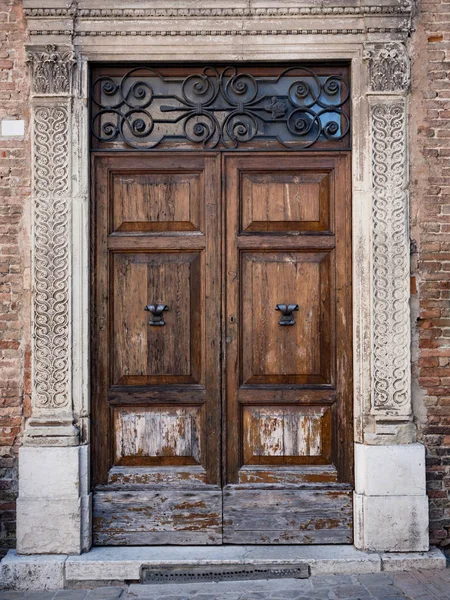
{"type": "Point", "coordinates": [123, 564]}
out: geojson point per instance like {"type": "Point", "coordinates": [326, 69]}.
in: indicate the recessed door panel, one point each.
{"type": "Point", "coordinates": [157, 435]}
{"type": "Point", "coordinates": [296, 349]}
{"type": "Point", "coordinates": [286, 201]}
{"type": "Point", "coordinates": [152, 201]}
{"type": "Point", "coordinates": [286, 435]}
{"type": "Point", "coordinates": [149, 351]}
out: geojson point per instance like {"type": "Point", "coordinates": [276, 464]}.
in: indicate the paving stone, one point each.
{"type": "Point", "coordinates": [255, 596]}
{"type": "Point", "coordinates": [433, 584]}
{"type": "Point", "coordinates": [370, 579]}
{"type": "Point", "coordinates": [39, 595]}
{"type": "Point", "coordinates": [10, 595]}
{"type": "Point", "coordinates": [71, 595]}
{"type": "Point", "coordinates": [330, 580]}
{"type": "Point", "coordinates": [105, 593]}
{"type": "Point", "coordinates": [384, 591]}
{"type": "Point", "coordinates": [351, 591]}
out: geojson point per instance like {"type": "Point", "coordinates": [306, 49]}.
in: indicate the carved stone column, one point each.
{"type": "Point", "coordinates": [53, 489]}
{"type": "Point", "coordinates": [389, 466]}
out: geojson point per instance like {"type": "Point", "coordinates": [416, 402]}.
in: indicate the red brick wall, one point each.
{"type": "Point", "coordinates": [430, 222]}
{"type": "Point", "coordinates": [14, 261]}
{"type": "Point", "coordinates": [430, 231]}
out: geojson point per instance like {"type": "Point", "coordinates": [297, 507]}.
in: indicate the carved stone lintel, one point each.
{"type": "Point", "coordinates": [391, 326]}
{"type": "Point", "coordinates": [388, 66]}
{"type": "Point", "coordinates": [51, 69]}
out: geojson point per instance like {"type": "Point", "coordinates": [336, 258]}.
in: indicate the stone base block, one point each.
{"type": "Point", "coordinates": [49, 526]}
{"type": "Point", "coordinates": [32, 572]}
{"type": "Point", "coordinates": [54, 504]}
{"type": "Point", "coordinates": [402, 561]}
{"type": "Point", "coordinates": [393, 470]}
{"type": "Point", "coordinates": [391, 523]}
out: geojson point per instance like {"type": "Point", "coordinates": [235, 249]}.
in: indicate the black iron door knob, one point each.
{"type": "Point", "coordinates": [157, 313]}
{"type": "Point", "coordinates": [287, 317]}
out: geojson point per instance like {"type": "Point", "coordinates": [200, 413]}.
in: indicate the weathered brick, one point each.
{"type": "Point", "coordinates": [14, 311]}
{"type": "Point", "coordinates": [430, 203]}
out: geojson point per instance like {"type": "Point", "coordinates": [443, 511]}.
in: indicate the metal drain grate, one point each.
{"type": "Point", "coordinates": [188, 574]}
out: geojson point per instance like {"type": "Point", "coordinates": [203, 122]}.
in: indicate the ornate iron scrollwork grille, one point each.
{"type": "Point", "coordinates": [221, 108]}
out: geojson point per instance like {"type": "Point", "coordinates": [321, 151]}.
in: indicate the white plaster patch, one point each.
{"type": "Point", "coordinates": [13, 127]}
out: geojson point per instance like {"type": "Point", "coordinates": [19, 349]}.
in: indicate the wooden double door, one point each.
{"type": "Point", "coordinates": [221, 348]}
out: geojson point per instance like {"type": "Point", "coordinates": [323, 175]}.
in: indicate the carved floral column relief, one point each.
{"type": "Point", "coordinates": [389, 79]}
{"type": "Point", "coordinates": [51, 422]}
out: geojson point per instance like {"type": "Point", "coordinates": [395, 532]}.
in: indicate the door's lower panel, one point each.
{"type": "Point", "coordinates": [287, 516]}
{"type": "Point", "coordinates": [158, 516]}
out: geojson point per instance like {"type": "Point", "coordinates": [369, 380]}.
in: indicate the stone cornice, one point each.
{"type": "Point", "coordinates": [79, 19]}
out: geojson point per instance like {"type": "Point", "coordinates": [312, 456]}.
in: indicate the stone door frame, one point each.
{"type": "Point", "coordinates": [54, 505]}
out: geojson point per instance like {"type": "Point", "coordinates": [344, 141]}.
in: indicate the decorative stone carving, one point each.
{"type": "Point", "coordinates": [51, 257]}
{"type": "Point", "coordinates": [51, 70]}
{"type": "Point", "coordinates": [388, 66]}
{"type": "Point", "coordinates": [391, 327]}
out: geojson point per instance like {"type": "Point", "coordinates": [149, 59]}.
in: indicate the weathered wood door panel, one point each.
{"type": "Point", "coordinates": [256, 448]}
{"type": "Point", "coordinates": [288, 350]}
{"type": "Point", "coordinates": [156, 349]}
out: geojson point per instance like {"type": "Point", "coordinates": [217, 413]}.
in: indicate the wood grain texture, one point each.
{"type": "Point", "coordinates": [286, 436]}
{"type": "Point", "coordinates": [283, 516]}
{"type": "Point", "coordinates": [182, 476]}
{"type": "Point", "coordinates": [153, 517]}
{"type": "Point", "coordinates": [288, 475]}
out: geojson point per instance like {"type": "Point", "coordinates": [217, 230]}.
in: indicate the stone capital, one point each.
{"type": "Point", "coordinates": [389, 68]}
{"type": "Point", "coordinates": [51, 69]}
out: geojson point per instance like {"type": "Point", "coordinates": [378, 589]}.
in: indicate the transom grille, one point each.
{"type": "Point", "coordinates": [221, 108]}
